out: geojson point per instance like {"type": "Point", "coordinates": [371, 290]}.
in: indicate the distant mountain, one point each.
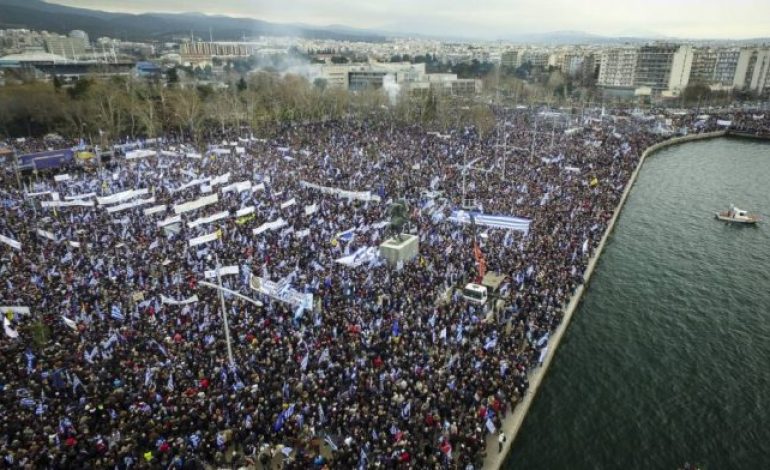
{"type": "Point", "coordinates": [39, 15]}
{"type": "Point", "coordinates": [577, 37]}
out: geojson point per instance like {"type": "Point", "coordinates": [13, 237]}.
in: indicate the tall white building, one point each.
{"type": "Point", "coordinates": [617, 68]}
{"type": "Point", "coordinates": [752, 72]}
{"type": "Point", "coordinates": [681, 66]}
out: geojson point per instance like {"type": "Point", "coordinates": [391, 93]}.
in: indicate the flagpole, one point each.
{"type": "Point", "coordinates": [224, 312]}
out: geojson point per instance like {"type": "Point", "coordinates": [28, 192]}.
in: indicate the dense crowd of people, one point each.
{"type": "Point", "coordinates": [122, 360]}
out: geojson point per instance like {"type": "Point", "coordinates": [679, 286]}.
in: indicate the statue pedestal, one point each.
{"type": "Point", "coordinates": [395, 250]}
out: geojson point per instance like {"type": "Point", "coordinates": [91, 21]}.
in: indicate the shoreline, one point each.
{"type": "Point", "coordinates": [513, 422]}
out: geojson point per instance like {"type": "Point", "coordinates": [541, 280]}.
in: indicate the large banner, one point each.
{"type": "Point", "coordinates": [196, 204]}
{"type": "Point", "coordinates": [342, 193]}
{"type": "Point", "coordinates": [283, 294]}
{"type": "Point", "coordinates": [494, 221]}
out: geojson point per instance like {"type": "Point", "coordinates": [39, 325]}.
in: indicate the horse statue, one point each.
{"type": "Point", "coordinates": [398, 218]}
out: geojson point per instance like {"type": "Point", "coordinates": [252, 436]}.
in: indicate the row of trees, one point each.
{"type": "Point", "coordinates": [110, 110]}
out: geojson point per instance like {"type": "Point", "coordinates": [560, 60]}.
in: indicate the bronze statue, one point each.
{"type": "Point", "coordinates": [398, 218]}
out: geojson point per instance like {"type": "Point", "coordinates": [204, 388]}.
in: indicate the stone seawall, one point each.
{"type": "Point", "coordinates": [514, 420]}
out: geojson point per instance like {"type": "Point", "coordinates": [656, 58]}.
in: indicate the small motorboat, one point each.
{"type": "Point", "coordinates": [737, 216]}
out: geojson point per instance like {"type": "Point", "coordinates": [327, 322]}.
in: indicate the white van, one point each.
{"type": "Point", "coordinates": [475, 293]}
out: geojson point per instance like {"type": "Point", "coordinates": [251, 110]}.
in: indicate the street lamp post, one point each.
{"type": "Point", "coordinates": [224, 312]}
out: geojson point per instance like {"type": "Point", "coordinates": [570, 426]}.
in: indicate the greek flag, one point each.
{"type": "Point", "coordinates": [116, 313]}
{"type": "Point", "coordinates": [406, 411]}
{"type": "Point", "coordinates": [490, 344]}
{"type": "Point", "coordinates": [331, 443]}
{"type": "Point", "coordinates": [195, 440]}
{"type": "Point", "coordinates": [363, 460]}
{"type": "Point", "coordinates": [27, 402]}
{"type": "Point", "coordinates": [30, 360]}
{"type": "Point", "coordinates": [459, 335]}
{"type": "Point", "coordinates": [76, 383]}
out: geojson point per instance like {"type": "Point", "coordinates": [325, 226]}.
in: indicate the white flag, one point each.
{"type": "Point", "coordinates": [9, 330]}
{"type": "Point", "coordinates": [69, 323]}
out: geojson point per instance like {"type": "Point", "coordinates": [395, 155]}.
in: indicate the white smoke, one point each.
{"type": "Point", "coordinates": [392, 88]}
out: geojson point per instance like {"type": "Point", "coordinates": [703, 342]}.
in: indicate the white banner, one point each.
{"type": "Point", "coordinates": [122, 196]}
{"type": "Point", "coordinates": [220, 179]}
{"type": "Point", "coordinates": [258, 187]}
{"type": "Point", "coordinates": [10, 241]}
{"type": "Point", "coordinates": [311, 209]}
{"type": "Point", "coordinates": [15, 309]}
{"type": "Point", "coordinates": [223, 271]}
{"type": "Point", "coordinates": [245, 211]}
{"type": "Point", "coordinates": [237, 187]}
{"type": "Point", "coordinates": [204, 238]}
{"type": "Point", "coordinates": [41, 193]}
{"type": "Point", "coordinates": [270, 226]}
{"type": "Point", "coordinates": [724, 123]}
{"type": "Point", "coordinates": [196, 204]}
{"type": "Point", "coordinates": [192, 183]}
{"type": "Point", "coordinates": [76, 202]}
{"type": "Point", "coordinates": [80, 196]}
{"type": "Point", "coordinates": [288, 203]}
{"type": "Point", "coordinates": [208, 220]}
{"type": "Point", "coordinates": [302, 233]}
{"type": "Point", "coordinates": [142, 153]}
{"type": "Point", "coordinates": [172, 301]}
{"type": "Point", "coordinates": [170, 220]}
{"type": "Point", "coordinates": [342, 193]}
{"type": "Point", "coordinates": [155, 209]}
{"type": "Point", "coordinates": [74, 244]}
{"type": "Point", "coordinates": [46, 234]}
{"type": "Point", "coordinates": [130, 205]}
{"type": "Point", "coordinates": [60, 178]}
{"type": "Point", "coordinates": [361, 256]}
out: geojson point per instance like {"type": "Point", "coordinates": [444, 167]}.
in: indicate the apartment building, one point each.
{"type": "Point", "coordinates": [617, 68]}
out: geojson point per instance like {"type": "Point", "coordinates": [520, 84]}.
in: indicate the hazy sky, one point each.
{"type": "Point", "coordinates": [489, 19]}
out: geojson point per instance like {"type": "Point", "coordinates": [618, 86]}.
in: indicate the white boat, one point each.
{"type": "Point", "coordinates": [738, 216]}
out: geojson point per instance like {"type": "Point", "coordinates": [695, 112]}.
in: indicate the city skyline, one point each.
{"type": "Point", "coordinates": [492, 19]}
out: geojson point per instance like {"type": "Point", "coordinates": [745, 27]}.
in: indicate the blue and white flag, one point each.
{"type": "Point", "coordinates": [396, 329]}
{"type": "Point", "coordinates": [28, 402]}
{"type": "Point", "coordinates": [406, 411]}
{"type": "Point", "coordinates": [195, 440]}
{"type": "Point", "coordinates": [331, 443]}
{"type": "Point", "coordinates": [116, 313]}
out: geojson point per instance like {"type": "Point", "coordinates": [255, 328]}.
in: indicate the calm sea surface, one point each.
{"type": "Point", "coordinates": [667, 359]}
